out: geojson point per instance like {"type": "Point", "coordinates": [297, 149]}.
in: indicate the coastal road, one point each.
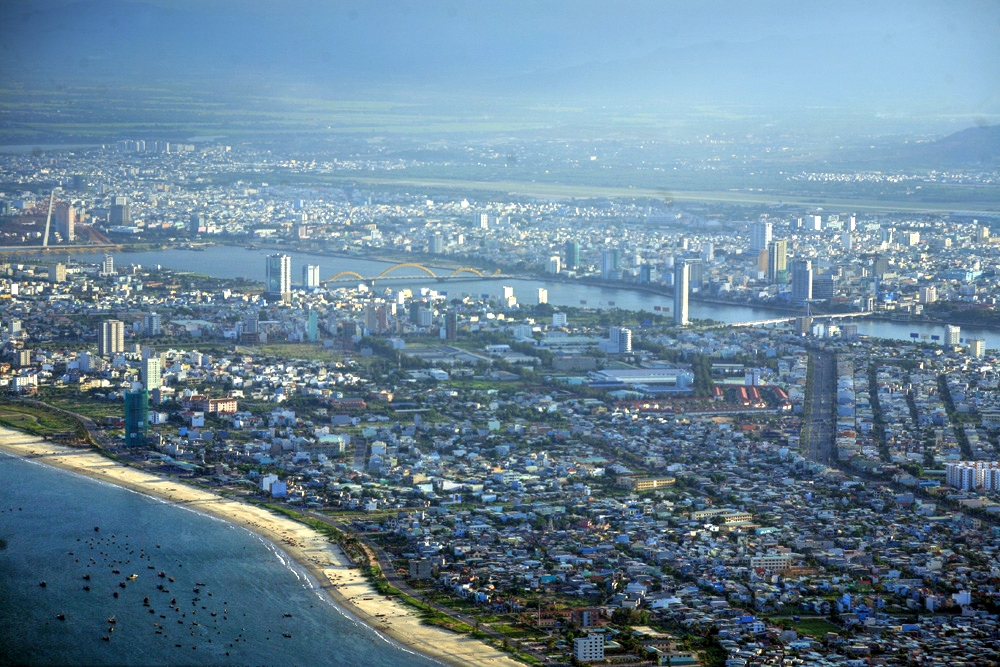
{"type": "Point", "coordinates": [820, 430]}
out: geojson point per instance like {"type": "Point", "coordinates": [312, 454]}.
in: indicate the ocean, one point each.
{"type": "Point", "coordinates": [225, 595]}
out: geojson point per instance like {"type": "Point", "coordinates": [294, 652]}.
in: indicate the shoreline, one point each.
{"type": "Point", "coordinates": [325, 562]}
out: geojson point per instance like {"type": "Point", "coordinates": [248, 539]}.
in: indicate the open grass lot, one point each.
{"type": "Point", "coordinates": [305, 351]}
{"type": "Point", "coordinates": [814, 627]}
{"type": "Point", "coordinates": [81, 403]}
{"type": "Point", "coordinates": [37, 420]}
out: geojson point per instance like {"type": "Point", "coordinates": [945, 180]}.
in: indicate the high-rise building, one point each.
{"type": "Point", "coordinates": [196, 224]}
{"type": "Point", "coordinates": [802, 281]}
{"type": "Point", "coordinates": [14, 327]}
{"type": "Point", "coordinates": [977, 347]}
{"type": "Point", "coordinates": [696, 273]}
{"type": "Point", "coordinates": [708, 252]}
{"type": "Point", "coordinates": [120, 214]}
{"type": "Point", "coordinates": [150, 372]}
{"type": "Point", "coordinates": [136, 417]}
{"type": "Point", "coordinates": [681, 286]}
{"type": "Point", "coordinates": [846, 241]}
{"type": "Point", "coordinates": [928, 294]}
{"type": "Point", "coordinates": [312, 327]}
{"type": "Point", "coordinates": [952, 335]}
{"type": "Point", "coordinates": [108, 266]}
{"type": "Point", "coordinates": [279, 278]}
{"type": "Point", "coordinates": [484, 220]}
{"type": "Point", "coordinates": [760, 235]}
{"type": "Point", "coordinates": [57, 273]}
{"type": "Point", "coordinates": [777, 262]}
{"type": "Point", "coordinates": [152, 324]}
{"type": "Point", "coordinates": [610, 258]}
{"type": "Point", "coordinates": [543, 295]}
{"type": "Point", "coordinates": [824, 287]}
{"type": "Point", "coordinates": [436, 245]}
{"type": "Point", "coordinates": [23, 358]}
{"type": "Point", "coordinates": [572, 255]}
{"type": "Point", "coordinates": [65, 219]}
{"type": "Point", "coordinates": [554, 265]}
{"type": "Point", "coordinates": [111, 338]}
{"type": "Point", "coordinates": [620, 339]}
{"type": "Point", "coordinates": [310, 275]}
{"type": "Point", "coordinates": [507, 298]}
{"type": "Point", "coordinates": [451, 325]}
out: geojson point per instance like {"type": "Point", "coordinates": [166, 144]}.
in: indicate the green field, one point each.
{"type": "Point", "coordinates": [813, 627]}
{"type": "Point", "coordinates": [38, 421]}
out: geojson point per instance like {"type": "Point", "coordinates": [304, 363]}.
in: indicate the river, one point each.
{"type": "Point", "coordinates": [236, 262]}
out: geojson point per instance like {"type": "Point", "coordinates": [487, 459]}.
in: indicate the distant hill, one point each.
{"type": "Point", "coordinates": [968, 149]}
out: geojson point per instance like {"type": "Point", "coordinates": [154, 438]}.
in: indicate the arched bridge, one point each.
{"type": "Point", "coordinates": [354, 276]}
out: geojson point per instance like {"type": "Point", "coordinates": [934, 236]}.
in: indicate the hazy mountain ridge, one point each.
{"type": "Point", "coordinates": [973, 147]}
{"type": "Point", "coordinates": [478, 48]}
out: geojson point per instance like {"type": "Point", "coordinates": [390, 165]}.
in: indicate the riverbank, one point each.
{"type": "Point", "coordinates": [325, 561]}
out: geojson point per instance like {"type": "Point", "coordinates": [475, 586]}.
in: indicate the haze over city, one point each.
{"type": "Point", "coordinates": [524, 332]}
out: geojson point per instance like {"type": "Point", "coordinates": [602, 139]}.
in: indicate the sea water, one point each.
{"type": "Point", "coordinates": [225, 597]}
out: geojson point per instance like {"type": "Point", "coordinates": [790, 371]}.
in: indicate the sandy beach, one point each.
{"type": "Point", "coordinates": [324, 560]}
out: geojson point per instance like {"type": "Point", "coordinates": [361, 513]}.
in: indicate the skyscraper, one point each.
{"type": "Point", "coordinates": [310, 275]}
{"type": "Point", "coordinates": [136, 417]}
{"type": "Point", "coordinates": [65, 219]}
{"type": "Point", "coordinates": [681, 280]}
{"type": "Point", "coordinates": [57, 273]}
{"type": "Point", "coordinates": [312, 326]}
{"type": "Point", "coordinates": [620, 339]}
{"type": "Point", "coordinates": [152, 324]}
{"type": "Point", "coordinates": [760, 235]}
{"type": "Point", "coordinates": [196, 223]}
{"type": "Point", "coordinates": [436, 246]}
{"type": "Point", "coordinates": [696, 273]}
{"type": "Point", "coordinates": [977, 347]}
{"type": "Point", "coordinates": [802, 276]}
{"type": "Point", "coordinates": [150, 372]}
{"type": "Point", "coordinates": [451, 325]}
{"type": "Point", "coordinates": [609, 264]}
{"type": "Point", "coordinates": [279, 278]}
{"type": "Point", "coordinates": [108, 266]}
{"type": "Point", "coordinates": [952, 335]}
{"type": "Point", "coordinates": [120, 214]}
{"type": "Point", "coordinates": [777, 262]}
{"type": "Point", "coordinates": [111, 338]}
{"type": "Point", "coordinates": [572, 255]}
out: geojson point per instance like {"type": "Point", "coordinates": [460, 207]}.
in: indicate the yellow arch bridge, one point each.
{"type": "Point", "coordinates": [353, 275]}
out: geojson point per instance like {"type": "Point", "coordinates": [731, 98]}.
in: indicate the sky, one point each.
{"type": "Point", "coordinates": [889, 57]}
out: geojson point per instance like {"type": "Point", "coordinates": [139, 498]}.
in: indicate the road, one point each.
{"type": "Point", "coordinates": [820, 430]}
